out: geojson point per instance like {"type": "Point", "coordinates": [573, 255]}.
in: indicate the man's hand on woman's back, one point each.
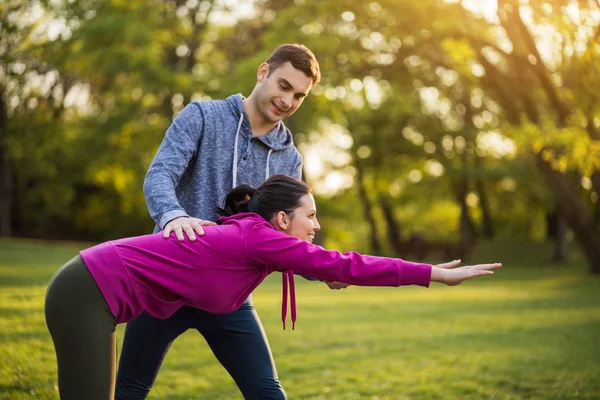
{"type": "Point", "coordinates": [188, 225]}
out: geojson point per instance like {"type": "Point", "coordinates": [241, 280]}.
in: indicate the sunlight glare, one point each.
{"type": "Point", "coordinates": [488, 9]}
{"type": "Point", "coordinates": [495, 144]}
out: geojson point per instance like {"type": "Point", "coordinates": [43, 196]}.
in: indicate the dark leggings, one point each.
{"type": "Point", "coordinates": [83, 331]}
{"type": "Point", "coordinates": [237, 340]}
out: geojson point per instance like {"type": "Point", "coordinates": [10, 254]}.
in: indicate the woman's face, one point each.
{"type": "Point", "coordinates": [302, 223]}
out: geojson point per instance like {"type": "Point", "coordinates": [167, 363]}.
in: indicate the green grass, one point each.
{"type": "Point", "coordinates": [529, 332]}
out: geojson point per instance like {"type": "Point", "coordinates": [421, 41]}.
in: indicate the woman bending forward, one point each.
{"type": "Point", "coordinates": [264, 230]}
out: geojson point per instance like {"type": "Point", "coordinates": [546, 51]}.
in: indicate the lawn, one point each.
{"type": "Point", "coordinates": [531, 331]}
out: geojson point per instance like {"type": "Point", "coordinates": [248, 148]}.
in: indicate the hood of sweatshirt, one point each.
{"type": "Point", "coordinates": [287, 276]}
{"type": "Point", "coordinates": [278, 138]}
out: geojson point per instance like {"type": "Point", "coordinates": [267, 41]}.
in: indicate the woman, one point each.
{"type": "Point", "coordinates": [263, 230]}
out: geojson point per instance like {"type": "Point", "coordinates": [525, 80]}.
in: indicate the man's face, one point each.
{"type": "Point", "coordinates": [282, 92]}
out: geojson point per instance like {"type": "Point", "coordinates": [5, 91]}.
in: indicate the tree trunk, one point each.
{"type": "Point", "coordinates": [551, 225]}
{"type": "Point", "coordinates": [596, 186]}
{"type": "Point", "coordinates": [560, 241]}
{"type": "Point", "coordinates": [574, 213]}
{"type": "Point", "coordinates": [368, 209]}
{"type": "Point", "coordinates": [487, 222]}
{"type": "Point", "coordinates": [6, 176]}
{"type": "Point", "coordinates": [466, 227]}
{"type": "Point", "coordinates": [393, 228]}
{"type": "Point", "coordinates": [556, 231]}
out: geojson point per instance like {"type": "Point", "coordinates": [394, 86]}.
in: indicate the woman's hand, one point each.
{"type": "Point", "coordinates": [446, 273]}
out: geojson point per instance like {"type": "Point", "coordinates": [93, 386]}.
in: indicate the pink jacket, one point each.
{"type": "Point", "coordinates": [218, 272]}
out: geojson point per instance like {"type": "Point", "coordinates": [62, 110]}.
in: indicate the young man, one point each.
{"type": "Point", "coordinates": [211, 147]}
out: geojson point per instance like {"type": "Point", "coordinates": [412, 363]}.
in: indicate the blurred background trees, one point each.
{"type": "Point", "coordinates": [438, 124]}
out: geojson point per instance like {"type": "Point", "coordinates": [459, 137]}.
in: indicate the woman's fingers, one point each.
{"type": "Point", "coordinates": [485, 266]}
{"type": "Point", "coordinates": [450, 264]}
{"type": "Point", "coordinates": [458, 275]}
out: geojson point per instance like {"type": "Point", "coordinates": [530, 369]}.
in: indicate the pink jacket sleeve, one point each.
{"type": "Point", "coordinates": [268, 247]}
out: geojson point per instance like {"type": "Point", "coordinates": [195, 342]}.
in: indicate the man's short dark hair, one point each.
{"type": "Point", "coordinates": [299, 56]}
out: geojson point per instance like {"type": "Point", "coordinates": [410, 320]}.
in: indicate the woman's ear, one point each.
{"type": "Point", "coordinates": [282, 221]}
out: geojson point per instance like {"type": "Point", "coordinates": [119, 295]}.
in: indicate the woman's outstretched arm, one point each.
{"type": "Point", "coordinates": [447, 273]}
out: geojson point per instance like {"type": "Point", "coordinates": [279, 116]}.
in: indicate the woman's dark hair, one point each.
{"type": "Point", "coordinates": [278, 193]}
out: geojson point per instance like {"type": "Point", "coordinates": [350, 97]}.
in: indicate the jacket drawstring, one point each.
{"type": "Point", "coordinates": [267, 174]}
{"type": "Point", "coordinates": [234, 167]}
{"type": "Point", "coordinates": [288, 277]}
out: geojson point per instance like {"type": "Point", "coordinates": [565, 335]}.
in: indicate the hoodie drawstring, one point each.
{"type": "Point", "coordinates": [288, 276]}
{"type": "Point", "coordinates": [267, 174]}
{"type": "Point", "coordinates": [235, 153]}
{"type": "Point", "coordinates": [234, 167]}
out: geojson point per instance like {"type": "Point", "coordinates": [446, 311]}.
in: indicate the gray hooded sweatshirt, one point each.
{"type": "Point", "coordinates": [207, 151]}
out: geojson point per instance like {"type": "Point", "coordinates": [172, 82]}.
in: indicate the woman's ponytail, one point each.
{"type": "Point", "coordinates": [278, 193]}
{"type": "Point", "coordinates": [237, 201]}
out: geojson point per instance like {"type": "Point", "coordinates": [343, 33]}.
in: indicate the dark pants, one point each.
{"type": "Point", "coordinates": [83, 332]}
{"type": "Point", "coordinates": [237, 340]}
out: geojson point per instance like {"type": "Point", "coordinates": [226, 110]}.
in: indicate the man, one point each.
{"type": "Point", "coordinates": [211, 147]}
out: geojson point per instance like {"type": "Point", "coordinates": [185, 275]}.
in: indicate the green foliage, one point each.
{"type": "Point", "coordinates": [91, 155]}
{"type": "Point", "coordinates": [568, 148]}
{"type": "Point", "coordinates": [413, 84]}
